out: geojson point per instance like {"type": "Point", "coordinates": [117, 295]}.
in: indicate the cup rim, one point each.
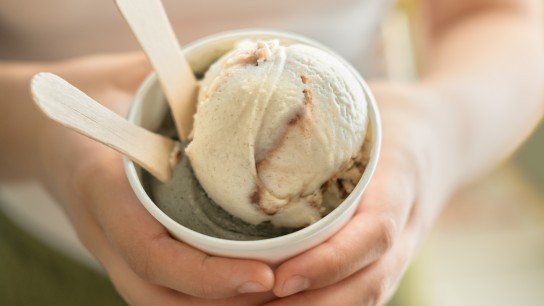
{"type": "Point", "coordinates": [269, 243]}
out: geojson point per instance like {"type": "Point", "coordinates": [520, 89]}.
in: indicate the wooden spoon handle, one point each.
{"type": "Point", "coordinates": [150, 25]}
{"type": "Point", "coordinates": [72, 108]}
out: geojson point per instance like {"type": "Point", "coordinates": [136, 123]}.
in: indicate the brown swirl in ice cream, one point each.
{"type": "Point", "coordinates": [274, 123]}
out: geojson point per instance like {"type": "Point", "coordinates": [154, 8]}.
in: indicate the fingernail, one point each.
{"type": "Point", "coordinates": [295, 284]}
{"type": "Point", "coordinates": [251, 287]}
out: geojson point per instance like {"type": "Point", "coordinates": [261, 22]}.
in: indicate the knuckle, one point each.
{"type": "Point", "coordinates": [213, 281]}
{"type": "Point", "coordinates": [141, 265]}
{"type": "Point", "coordinates": [200, 287]}
{"type": "Point", "coordinates": [199, 283]}
{"type": "Point", "coordinates": [378, 292]}
{"type": "Point", "coordinates": [141, 257]}
{"type": "Point", "coordinates": [204, 290]}
{"type": "Point", "coordinates": [387, 231]}
{"type": "Point", "coordinates": [338, 263]}
{"type": "Point", "coordinates": [403, 259]}
{"type": "Point", "coordinates": [85, 175]}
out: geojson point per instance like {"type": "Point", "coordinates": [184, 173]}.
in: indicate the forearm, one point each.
{"type": "Point", "coordinates": [20, 122]}
{"type": "Point", "coordinates": [487, 68]}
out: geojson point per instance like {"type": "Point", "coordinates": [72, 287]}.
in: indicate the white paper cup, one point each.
{"type": "Point", "coordinates": [149, 109]}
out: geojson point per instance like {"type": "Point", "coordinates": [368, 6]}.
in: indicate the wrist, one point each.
{"type": "Point", "coordinates": [421, 132]}
{"type": "Point", "coordinates": [441, 151]}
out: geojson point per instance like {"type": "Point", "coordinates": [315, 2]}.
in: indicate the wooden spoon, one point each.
{"type": "Point", "coordinates": [150, 24]}
{"type": "Point", "coordinates": [72, 108]}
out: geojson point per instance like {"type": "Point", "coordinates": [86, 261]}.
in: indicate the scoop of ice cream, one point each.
{"type": "Point", "coordinates": [275, 125]}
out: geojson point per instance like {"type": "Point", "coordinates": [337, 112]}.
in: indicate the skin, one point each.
{"type": "Point", "coordinates": [457, 121]}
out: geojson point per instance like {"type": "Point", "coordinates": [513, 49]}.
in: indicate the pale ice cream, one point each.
{"type": "Point", "coordinates": [278, 129]}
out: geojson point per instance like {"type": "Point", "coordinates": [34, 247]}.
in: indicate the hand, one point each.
{"type": "Point", "coordinates": [147, 266]}
{"type": "Point", "coordinates": [363, 263]}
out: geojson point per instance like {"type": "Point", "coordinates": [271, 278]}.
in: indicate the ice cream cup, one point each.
{"type": "Point", "coordinates": [149, 109]}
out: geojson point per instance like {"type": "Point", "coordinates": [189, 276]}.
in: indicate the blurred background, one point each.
{"type": "Point", "coordinates": [487, 248]}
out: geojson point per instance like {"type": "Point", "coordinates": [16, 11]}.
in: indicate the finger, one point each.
{"type": "Point", "coordinates": [373, 285]}
{"type": "Point", "coordinates": [133, 289]}
{"type": "Point", "coordinates": [373, 229]}
{"type": "Point", "coordinates": [136, 291]}
{"type": "Point", "coordinates": [155, 256]}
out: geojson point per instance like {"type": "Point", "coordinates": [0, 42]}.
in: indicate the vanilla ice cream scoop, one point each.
{"type": "Point", "coordinates": [277, 126]}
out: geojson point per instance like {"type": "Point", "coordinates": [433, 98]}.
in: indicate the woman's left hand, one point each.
{"type": "Point", "coordinates": [363, 263]}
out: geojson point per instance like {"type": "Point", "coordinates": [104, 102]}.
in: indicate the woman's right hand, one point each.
{"type": "Point", "coordinates": [146, 265]}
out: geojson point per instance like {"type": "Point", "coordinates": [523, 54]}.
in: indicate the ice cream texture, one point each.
{"type": "Point", "coordinates": [278, 129]}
